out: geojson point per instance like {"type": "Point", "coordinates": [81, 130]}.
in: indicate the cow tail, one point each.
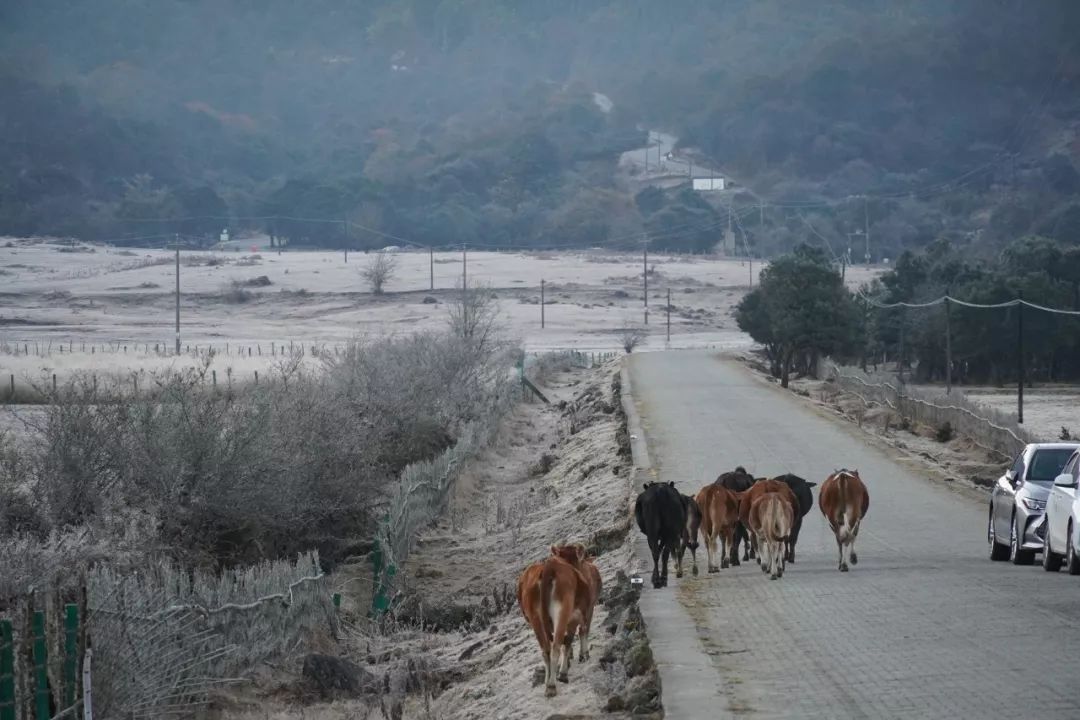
{"type": "Point", "coordinates": [844, 531]}
{"type": "Point", "coordinates": [547, 582]}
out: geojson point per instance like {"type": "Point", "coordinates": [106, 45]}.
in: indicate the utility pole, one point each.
{"type": "Point", "coordinates": [866, 221]}
{"type": "Point", "coordinates": [1020, 360]}
{"type": "Point", "coordinates": [645, 276]}
{"type": "Point", "coordinates": [669, 316]}
{"type": "Point", "coordinates": [541, 303]}
{"type": "Point", "coordinates": [464, 268]}
{"type": "Point", "coordinates": [431, 264]}
{"type": "Point", "coordinates": [948, 345]}
{"type": "Point", "coordinates": [177, 239]}
{"type": "Point", "coordinates": [345, 228]}
{"type": "Point", "coordinates": [900, 358]}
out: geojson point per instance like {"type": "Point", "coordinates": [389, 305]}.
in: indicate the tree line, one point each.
{"type": "Point", "coordinates": [802, 311]}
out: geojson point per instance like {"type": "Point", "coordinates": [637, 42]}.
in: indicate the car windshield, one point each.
{"type": "Point", "coordinates": [1047, 464]}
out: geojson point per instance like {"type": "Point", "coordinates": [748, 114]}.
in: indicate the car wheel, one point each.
{"type": "Point", "coordinates": [1017, 554]}
{"type": "Point", "coordinates": [1072, 560]}
{"type": "Point", "coordinates": [998, 551]}
{"type": "Point", "coordinates": [1051, 561]}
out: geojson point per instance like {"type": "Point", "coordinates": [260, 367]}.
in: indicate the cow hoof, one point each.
{"type": "Point", "coordinates": [678, 573]}
{"type": "Point", "coordinates": [694, 570]}
{"type": "Point", "coordinates": [564, 678]}
{"type": "Point", "coordinates": [735, 562]}
{"type": "Point", "coordinates": [773, 576]}
{"type": "Point", "coordinates": [854, 558]}
{"type": "Point", "coordinates": [725, 564]}
{"type": "Point", "coordinates": [843, 567]}
{"type": "Point", "coordinates": [549, 691]}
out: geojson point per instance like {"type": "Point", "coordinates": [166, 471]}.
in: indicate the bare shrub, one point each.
{"type": "Point", "coordinates": [247, 473]}
{"type": "Point", "coordinates": [474, 316]}
{"type": "Point", "coordinates": [1065, 434]}
{"type": "Point", "coordinates": [944, 432]}
{"type": "Point", "coordinates": [630, 338]}
{"type": "Point", "coordinates": [378, 271]}
{"type": "Point", "coordinates": [236, 294]}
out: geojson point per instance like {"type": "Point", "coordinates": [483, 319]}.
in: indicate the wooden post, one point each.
{"type": "Point", "coordinates": [7, 671]}
{"type": "Point", "coordinates": [948, 347]}
{"type": "Point", "coordinates": [431, 265]}
{"type": "Point", "coordinates": [256, 377]}
{"type": "Point", "coordinates": [71, 653]}
{"type": "Point", "coordinates": [11, 378]}
{"type": "Point", "coordinates": [541, 303]}
{"type": "Point", "coordinates": [669, 315]}
{"type": "Point", "coordinates": [645, 275]}
{"type": "Point", "coordinates": [1020, 360]}
{"type": "Point", "coordinates": [213, 377]}
{"type": "Point", "coordinates": [54, 383]}
{"type": "Point", "coordinates": [87, 684]}
{"type": "Point", "coordinates": [41, 674]}
{"type": "Point", "coordinates": [178, 294]}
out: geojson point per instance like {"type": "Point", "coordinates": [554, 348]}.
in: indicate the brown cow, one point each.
{"type": "Point", "coordinates": [719, 517]}
{"type": "Point", "coordinates": [554, 597]}
{"type": "Point", "coordinates": [577, 556]}
{"type": "Point", "coordinates": [770, 520]}
{"type": "Point", "coordinates": [844, 500]}
{"type": "Point", "coordinates": [756, 490]}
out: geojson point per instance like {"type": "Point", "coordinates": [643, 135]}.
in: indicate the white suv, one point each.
{"type": "Point", "coordinates": [1062, 541]}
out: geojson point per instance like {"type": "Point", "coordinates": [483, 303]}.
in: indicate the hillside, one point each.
{"type": "Point", "coordinates": [461, 121]}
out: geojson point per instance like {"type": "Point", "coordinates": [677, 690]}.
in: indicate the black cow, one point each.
{"type": "Point", "coordinates": [689, 535]}
{"type": "Point", "coordinates": [801, 488]}
{"type": "Point", "coordinates": [661, 516]}
{"type": "Point", "coordinates": [740, 481]}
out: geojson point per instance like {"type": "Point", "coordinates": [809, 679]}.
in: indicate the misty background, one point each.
{"type": "Point", "coordinates": [444, 122]}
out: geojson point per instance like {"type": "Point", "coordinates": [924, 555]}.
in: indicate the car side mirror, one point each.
{"type": "Point", "coordinates": [1064, 480]}
{"type": "Point", "coordinates": [1011, 477]}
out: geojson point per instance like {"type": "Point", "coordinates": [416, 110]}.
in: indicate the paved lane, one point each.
{"type": "Point", "coordinates": [924, 627]}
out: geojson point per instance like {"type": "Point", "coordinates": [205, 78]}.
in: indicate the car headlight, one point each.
{"type": "Point", "coordinates": [1032, 504]}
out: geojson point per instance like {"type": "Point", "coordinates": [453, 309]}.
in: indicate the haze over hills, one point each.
{"type": "Point", "coordinates": [461, 121]}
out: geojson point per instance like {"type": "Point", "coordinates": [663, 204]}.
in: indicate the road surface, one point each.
{"type": "Point", "coordinates": [675, 166]}
{"type": "Point", "coordinates": [926, 626]}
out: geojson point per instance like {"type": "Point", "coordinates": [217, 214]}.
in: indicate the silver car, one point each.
{"type": "Point", "coordinates": [1018, 502]}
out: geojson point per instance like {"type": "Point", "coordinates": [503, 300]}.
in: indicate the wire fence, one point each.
{"type": "Point", "coordinates": [991, 430]}
{"type": "Point", "coordinates": [153, 643]}
{"type": "Point", "coordinates": [423, 488]}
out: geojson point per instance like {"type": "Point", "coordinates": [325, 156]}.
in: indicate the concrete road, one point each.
{"type": "Point", "coordinates": [925, 626]}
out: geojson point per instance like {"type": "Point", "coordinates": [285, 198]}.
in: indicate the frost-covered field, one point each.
{"type": "Point", "coordinates": [95, 300]}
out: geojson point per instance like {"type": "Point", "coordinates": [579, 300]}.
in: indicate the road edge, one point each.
{"type": "Point", "coordinates": [693, 691]}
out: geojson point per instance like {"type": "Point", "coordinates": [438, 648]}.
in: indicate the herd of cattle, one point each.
{"type": "Point", "coordinates": [557, 595]}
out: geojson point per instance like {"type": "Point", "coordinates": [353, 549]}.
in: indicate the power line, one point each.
{"type": "Point", "coordinates": [978, 306]}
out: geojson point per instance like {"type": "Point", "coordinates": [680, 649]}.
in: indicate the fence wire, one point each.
{"type": "Point", "coordinates": [987, 428]}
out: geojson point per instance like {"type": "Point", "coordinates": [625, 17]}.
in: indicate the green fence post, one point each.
{"type": "Point", "coordinates": [7, 671]}
{"type": "Point", "coordinates": [337, 601]}
{"type": "Point", "coordinates": [41, 671]}
{"type": "Point", "coordinates": [71, 653]}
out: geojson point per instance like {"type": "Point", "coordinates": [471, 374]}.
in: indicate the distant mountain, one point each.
{"type": "Point", "coordinates": [450, 121]}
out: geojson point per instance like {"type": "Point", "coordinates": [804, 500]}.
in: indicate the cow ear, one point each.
{"type": "Point", "coordinates": [810, 483]}
{"type": "Point", "coordinates": [554, 550]}
{"type": "Point", "coordinates": [581, 552]}
{"type": "Point", "coordinates": [671, 484]}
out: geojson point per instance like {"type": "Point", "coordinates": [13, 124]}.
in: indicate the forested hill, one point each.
{"type": "Point", "coordinates": [450, 121]}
